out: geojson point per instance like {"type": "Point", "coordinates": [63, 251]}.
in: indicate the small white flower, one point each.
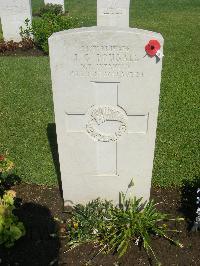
{"type": "Point", "coordinates": [95, 231]}
{"type": "Point", "coordinates": [198, 211]}
{"type": "Point", "coordinates": [137, 241]}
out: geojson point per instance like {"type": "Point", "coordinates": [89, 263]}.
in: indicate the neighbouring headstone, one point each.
{"type": "Point", "coordinates": [113, 13]}
{"type": "Point", "coordinates": [56, 2]}
{"type": "Point", "coordinates": [13, 15]}
{"type": "Point", "coordinates": [106, 96]}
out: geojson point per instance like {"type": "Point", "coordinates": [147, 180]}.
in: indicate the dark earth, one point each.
{"type": "Point", "coordinates": [23, 52]}
{"type": "Point", "coordinates": [38, 206]}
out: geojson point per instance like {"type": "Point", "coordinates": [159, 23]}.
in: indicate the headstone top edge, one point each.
{"type": "Point", "coordinates": [151, 34]}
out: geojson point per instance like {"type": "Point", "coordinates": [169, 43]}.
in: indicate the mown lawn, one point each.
{"type": "Point", "coordinates": [26, 113]}
{"type": "Point", "coordinates": [36, 5]}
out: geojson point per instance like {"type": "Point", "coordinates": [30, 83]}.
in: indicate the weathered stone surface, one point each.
{"type": "Point", "coordinates": [13, 15]}
{"type": "Point", "coordinates": [114, 13]}
{"type": "Point", "coordinates": [106, 96]}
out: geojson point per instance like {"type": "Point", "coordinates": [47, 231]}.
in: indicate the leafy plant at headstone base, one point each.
{"type": "Point", "coordinates": [86, 221]}
{"type": "Point", "coordinates": [8, 46]}
{"type": "Point", "coordinates": [7, 176]}
{"type": "Point", "coordinates": [25, 44]}
{"type": "Point", "coordinates": [27, 36]}
{"type": "Point", "coordinates": [114, 228]}
{"type": "Point", "coordinates": [6, 165]}
{"type": "Point", "coordinates": [11, 229]}
{"type": "Point", "coordinates": [51, 9]}
{"type": "Point", "coordinates": [45, 26]}
{"type": "Point", "coordinates": [26, 32]}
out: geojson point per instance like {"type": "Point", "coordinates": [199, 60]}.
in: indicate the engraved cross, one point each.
{"type": "Point", "coordinates": [109, 117]}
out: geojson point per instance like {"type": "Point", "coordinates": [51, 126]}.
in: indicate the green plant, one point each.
{"type": "Point", "coordinates": [5, 165]}
{"type": "Point", "coordinates": [10, 227]}
{"type": "Point", "coordinates": [45, 26]}
{"type": "Point", "coordinates": [115, 227]}
{"type": "Point", "coordinates": [135, 222]}
{"type": "Point", "coordinates": [26, 31]}
{"type": "Point", "coordinates": [51, 9]}
{"type": "Point", "coordinates": [7, 177]}
{"type": "Point", "coordinates": [25, 44]}
{"type": "Point", "coordinates": [86, 221]}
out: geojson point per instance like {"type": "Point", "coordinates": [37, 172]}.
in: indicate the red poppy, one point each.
{"type": "Point", "coordinates": [2, 158]}
{"type": "Point", "coordinates": [152, 47]}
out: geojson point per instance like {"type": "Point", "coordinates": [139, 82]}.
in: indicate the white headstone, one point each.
{"type": "Point", "coordinates": [13, 15]}
{"type": "Point", "coordinates": [106, 97]}
{"type": "Point", "coordinates": [114, 13]}
{"type": "Point", "coordinates": [55, 2]}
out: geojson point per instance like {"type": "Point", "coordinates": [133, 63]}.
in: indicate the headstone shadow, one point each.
{"type": "Point", "coordinates": [188, 200]}
{"type": "Point", "coordinates": [40, 245]}
{"type": "Point", "coordinates": [52, 138]}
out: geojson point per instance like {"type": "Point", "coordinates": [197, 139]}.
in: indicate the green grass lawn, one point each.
{"type": "Point", "coordinates": [27, 107]}
{"type": "Point", "coordinates": [36, 5]}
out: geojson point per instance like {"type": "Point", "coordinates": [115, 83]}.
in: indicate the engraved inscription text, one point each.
{"type": "Point", "coordinates": [99, 61]}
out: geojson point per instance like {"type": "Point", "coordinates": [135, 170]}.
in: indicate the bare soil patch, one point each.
{"type": "Point", "coordinates": [39, 205]}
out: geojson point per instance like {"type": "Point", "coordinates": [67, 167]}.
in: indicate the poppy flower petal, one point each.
{"type": "Point", "coordinates": [152, 47]}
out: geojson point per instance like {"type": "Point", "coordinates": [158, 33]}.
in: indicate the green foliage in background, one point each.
{"type": "Point", "coordinates": [51, 20]}
{"type": "Point", "coordinates": [27, 106]}
{"type": "Point", "coordinates": [50, 23]}
{"type": "Point", "coordinates": [37, 5]}
{"type": "Point", "coordinates": [51, 9]}
{"type": "Point", "coordinates": [5, 165]}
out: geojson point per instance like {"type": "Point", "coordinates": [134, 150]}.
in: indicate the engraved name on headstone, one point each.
{"type": "Point", "coordinates": [13, 15]}
{"type": "Point", "coordinates": [106, 96]}
{"type": "Point", "coordinates": [114, 13]}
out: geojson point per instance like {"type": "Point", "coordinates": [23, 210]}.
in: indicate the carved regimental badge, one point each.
{"type": "Point", "coordinates": [106, 123]}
